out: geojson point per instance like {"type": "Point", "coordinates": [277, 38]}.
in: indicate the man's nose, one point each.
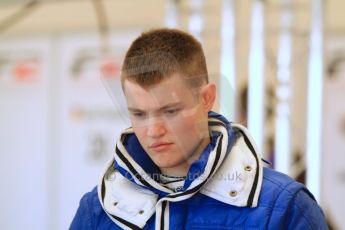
{"type": "Point", "coordinates": [156, 128]}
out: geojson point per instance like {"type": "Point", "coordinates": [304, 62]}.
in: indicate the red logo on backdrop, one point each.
{"type": "Point", "coordinates": [110, 68]}
{"type": "Point", "coordinates": [26, 71]}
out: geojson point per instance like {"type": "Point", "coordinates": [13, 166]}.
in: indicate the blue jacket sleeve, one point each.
{"type": "Point", "coordinates": [82, 219]}
{"type": "Point", "coordinates": [305, 213]}
{"type": "Point", "coordinates": [297, 210]}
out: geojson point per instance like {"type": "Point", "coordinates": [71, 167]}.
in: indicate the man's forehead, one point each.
{"type": "Point", "coordinates": [169, 87]}
{"type": "Point", "coordinates": [159, 95]}
{"type": "Point", "coordinates": [158, 92]}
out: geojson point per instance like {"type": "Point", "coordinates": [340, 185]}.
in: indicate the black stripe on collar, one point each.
{"type": "Point", "coordinates": [124, 222]}
{"type": "Point", "coordinates": [256, 178]}
{"type": "Point", "coordinates": [214, 123]}
{"type": "Point", "coordinates": [132, 169]}
{"type": "Point", "coordinates": [164, 205]}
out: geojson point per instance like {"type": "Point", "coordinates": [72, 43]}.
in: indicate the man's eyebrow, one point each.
{"type": "Point", "coordinates": [170, 105]}
{"type": "Point", "coordinates": [135, 110]}
{"type": "Point", "coordinates": [167, 106]}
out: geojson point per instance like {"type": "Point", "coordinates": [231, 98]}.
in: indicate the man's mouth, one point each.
{"type": "Point", "coordinates": [160, 146]}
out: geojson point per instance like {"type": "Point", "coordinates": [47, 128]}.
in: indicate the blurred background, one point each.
{"type": "Point", "coordinates": [279, 66]}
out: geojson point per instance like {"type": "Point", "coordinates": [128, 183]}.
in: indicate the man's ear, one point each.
{"type": "Point", "coordinates": [208, 96]}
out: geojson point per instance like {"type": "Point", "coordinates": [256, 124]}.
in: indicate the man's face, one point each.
{"type": "Point", "coordinates": [170, 122]}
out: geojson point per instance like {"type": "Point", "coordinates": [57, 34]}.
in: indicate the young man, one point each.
{"type": "Point", "coordinates": [181, 166]}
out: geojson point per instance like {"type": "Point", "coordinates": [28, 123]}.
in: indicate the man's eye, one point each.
{"type": "Point", "coordinates": [139, 115]}
{"type": "Point", "coordinates": [171, 111]}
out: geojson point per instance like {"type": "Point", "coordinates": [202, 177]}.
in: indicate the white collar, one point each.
{"type": "Point", "coordinates": [236, 181]}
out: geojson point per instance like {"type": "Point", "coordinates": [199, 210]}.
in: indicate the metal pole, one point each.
{"type": "Point", "coordinates": [227, 78]}
{"type": "Point", "coordinates": [282, 127]}
{"type": "Point", "coordinates": [196, 22]}
{"type": "Point", "coordinates": [172, 13]}
{"type": "Point", "coordinates": [256, 75]}
{"type": "Point", "coordinates": [315, 84]}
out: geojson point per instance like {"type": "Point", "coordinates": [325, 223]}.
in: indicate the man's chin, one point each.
{"type": "Point", "coordinates": [169, 165]}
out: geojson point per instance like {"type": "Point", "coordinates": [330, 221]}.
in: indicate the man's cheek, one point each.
{"type": "Point", "coordinates": [140, 133]}
{"type": "Point", "coordinates": [188, 113]}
